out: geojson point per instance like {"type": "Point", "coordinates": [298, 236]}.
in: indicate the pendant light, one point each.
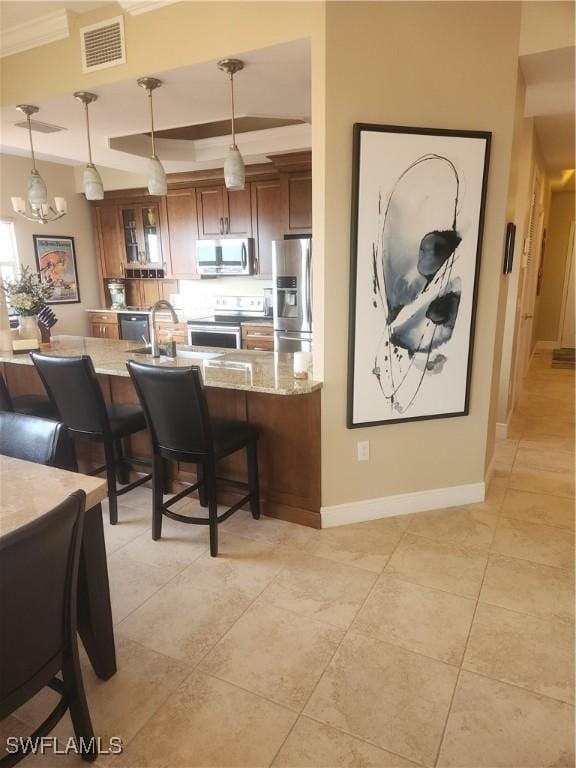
{"type": "Point", "coordinates": [157, 184]}
{"type": "Point", "coordinates": [93, 187]}
{"type": "Point", "coordinates": [234, 170]}
{"type": "Point", "coordinates": [37, 195]}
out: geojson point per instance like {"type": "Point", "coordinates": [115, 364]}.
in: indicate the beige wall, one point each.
{"type": "Point", "coordinates": [546, 25]}
{"type": "Point", "coordinates": [552, 287]}
{"type": "Point", "coordinates": [77, 224]}
{"type": "Point", "coordinates": [448, 65]}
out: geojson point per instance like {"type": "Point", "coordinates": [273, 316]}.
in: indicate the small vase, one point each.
{"type": "Point", "coordinates": [28, 328]}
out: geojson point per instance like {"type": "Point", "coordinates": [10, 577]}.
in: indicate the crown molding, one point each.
{"type": "Point", "coordinates": [136, 7]}
{"type": "Point", "coordinates": [30, 34]}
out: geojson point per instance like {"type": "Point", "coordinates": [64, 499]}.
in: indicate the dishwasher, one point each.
{"type": "Point", "coordinates": [134, 327]}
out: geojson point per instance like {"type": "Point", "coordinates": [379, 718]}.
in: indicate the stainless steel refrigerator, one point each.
{"type": "Point", "coordinates": [292, 294]}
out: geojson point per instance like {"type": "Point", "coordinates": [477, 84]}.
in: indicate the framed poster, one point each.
{"type": "Point", "coordinates": [56, 261]}
{"type": "Point", "coordinates": [418, 202]}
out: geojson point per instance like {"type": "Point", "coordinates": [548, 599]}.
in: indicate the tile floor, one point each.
{"type": "Point", "coordinates": [444, 638]}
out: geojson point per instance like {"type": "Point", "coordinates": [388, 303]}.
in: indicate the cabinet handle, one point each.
{"type": "Point", "coordinates": [227, 220]}
{"type": "Point", "coordinates": [221, 225]}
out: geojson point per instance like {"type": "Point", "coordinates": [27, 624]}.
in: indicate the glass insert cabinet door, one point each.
{"type": "Point", "coordinates": [141, 235]}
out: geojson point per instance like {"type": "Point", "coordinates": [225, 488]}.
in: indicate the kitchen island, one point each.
{"type": "Point", "coordinates": [253, 386]}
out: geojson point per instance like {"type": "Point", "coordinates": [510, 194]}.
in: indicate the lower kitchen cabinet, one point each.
{"type": "Point", "coordinates": [258, 337]}
{"type": "Point", "coordinates": [103, 325]}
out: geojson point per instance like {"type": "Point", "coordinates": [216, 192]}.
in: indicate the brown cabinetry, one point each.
{"type": "Point", "coordinates": [145, 292]}
{"type": "Point", "coordinates": [141, 234]}
{"type": "Point", "coordinates": [177, 332]}
{"type": "Point", "coordinates": [297, 201]}
{"type": "Point", "coordinates": [103, 325]}
{"type": "Point", "coordinates": [258, 336]}
{"type": "Point", "coordinates": [132, 227]}
{"type": "Point", "coordinates": [182, 232]}
{"type": "Point", "coordinates": [109, 240]}
{"type": "Point", "coordinates": [268, 217]}
{"type": "Point", "coordinates": [223, 212]}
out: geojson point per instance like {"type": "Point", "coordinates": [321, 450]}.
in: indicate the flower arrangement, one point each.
{"type": "Point", "coordinates": [26, 294]}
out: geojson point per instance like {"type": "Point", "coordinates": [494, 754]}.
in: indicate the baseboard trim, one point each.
{"type": "Point", "coordinates": [402, 504]}
{"type": "Point", "coordinates": [501, 430]}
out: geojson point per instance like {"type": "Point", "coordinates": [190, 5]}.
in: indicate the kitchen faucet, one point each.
{"type": "Point", "coordinates": [162, 304]}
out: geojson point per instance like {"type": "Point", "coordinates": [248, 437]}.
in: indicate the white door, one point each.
{"type": "Point", "coordinates": [567, 315]}
{"type": "Point", "coordinates": [528, 282]}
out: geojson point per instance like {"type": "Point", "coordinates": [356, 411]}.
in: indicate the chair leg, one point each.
{"type": "Point", "coordinates": [109, 456]}
{"type": "Point", "coordinates": [202, 494]}
{"type": "Point", "coordinates": [253, 482]}
{"type": "Point", "coordinates": [79, 712]}
{"type": "Point", "coordinates": [210, 480]}
{"type": "Point", "coordinates": [122, 474]}
{"type": "Point", "coordinates": [158, 496]}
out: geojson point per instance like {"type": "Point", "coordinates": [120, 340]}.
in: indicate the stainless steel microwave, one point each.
{"type": "Point", "coordinates": [225, 256]}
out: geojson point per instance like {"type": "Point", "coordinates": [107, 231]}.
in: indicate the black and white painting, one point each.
{"type": "Point", "coordinates": [417, 216]}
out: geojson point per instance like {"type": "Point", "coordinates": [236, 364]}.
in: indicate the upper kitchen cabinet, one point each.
{"type": "Point", "coordinates": [141, 234]}
{"type": "Point", "coordinates": [108, 235]}
{"type": "Point", "coordinates": [267, 222]}
{"type": "Point", "coordinates": [183, 232]}
{"type": "Point", "coordinates": [297, 194]}
{"type": "Point", "coordinates": [223, 212]}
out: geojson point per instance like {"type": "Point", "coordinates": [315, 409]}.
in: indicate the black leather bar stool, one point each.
{"type": "Point", "coordinates": [32, 405]}
{"type": "Point", "coordinates": [38, 621]}
{"type": "Point", "coordinates": [72, 386]}
{"type": "Point", "coordinates": [181, 429]}
{"type": "Point", "coordinates": [31, 438]}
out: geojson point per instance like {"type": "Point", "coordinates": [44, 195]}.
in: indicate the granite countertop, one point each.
{"type": "Point", "coordinates": [249, 370]}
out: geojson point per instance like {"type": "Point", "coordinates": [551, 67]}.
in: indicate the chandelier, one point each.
{"type": "Point", "coordinates": [39, 209]}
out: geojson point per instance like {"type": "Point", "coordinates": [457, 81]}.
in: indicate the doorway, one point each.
{"type": "Point", "coordinates": [567, 319]}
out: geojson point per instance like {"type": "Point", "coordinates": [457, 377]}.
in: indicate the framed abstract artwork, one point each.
{"type": "Point", "coordinates": [418, 203]}
{"type": "Point", "coordinates": [56, 261]}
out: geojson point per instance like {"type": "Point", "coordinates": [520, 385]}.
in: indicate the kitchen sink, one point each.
{"type": "Point", "coordinates": [183, 353]}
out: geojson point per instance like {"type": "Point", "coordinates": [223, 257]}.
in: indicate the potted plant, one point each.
{"type": "Point", "coordinates": [26, 295]}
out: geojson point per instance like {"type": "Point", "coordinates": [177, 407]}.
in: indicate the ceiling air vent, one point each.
{"type": "Point", "coordinates": [103, 44]}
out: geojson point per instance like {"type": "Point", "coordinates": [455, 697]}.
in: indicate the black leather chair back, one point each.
{"type": "Point", "coordinates": [38, 578]}
{"type": "Point", "coordinates": [73, 387]}
{"type": "Point", "coordinates": [5, 399]}
{"type": "Point", "coordinates": [174, 403]}
{"type": "Point", "coordinates": [42, 441]}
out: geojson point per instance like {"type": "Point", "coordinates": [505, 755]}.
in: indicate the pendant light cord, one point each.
{"type": "Point", "coordinates": [232, 99]}
{"type": "Point", "coordinates": [88, 135]}
{"type": "Point", "coordinates": [152, 123]}
{"type": "Point", "coordinates": [31, 144]}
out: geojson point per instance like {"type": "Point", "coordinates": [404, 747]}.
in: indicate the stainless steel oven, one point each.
{"type": "Point", "coordinates": [215, 335]}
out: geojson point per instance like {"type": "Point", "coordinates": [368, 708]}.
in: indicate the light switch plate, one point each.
{"type": "Point", "coordinates": [363, 449]}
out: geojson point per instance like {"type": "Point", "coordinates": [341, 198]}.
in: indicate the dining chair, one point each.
{"type": "Point", "coordinates": [73, 387]}
{"type": "Point", "coordinates": [31, 438]}
{"type": "Point", "coordinates": [32, 405]}
{"type": "Point", "coordinates": [181, 429]}
{"type": "Point", "coordinates": [38, 599]}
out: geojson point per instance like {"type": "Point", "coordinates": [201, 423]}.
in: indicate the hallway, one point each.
{"type": "Point", "coordinates": [443, 638]}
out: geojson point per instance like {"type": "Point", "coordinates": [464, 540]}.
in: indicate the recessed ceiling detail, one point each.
{"type": "Point", "coordinates": [39, 127]}
{"type": "Point", "coordinates": [222, 128]}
